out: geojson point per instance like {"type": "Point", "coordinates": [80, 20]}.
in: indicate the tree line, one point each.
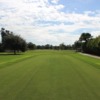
{"type": "Point", "coordinates": [15, 43]}
{"type": "Point", "coordinates": [61, 46]}
{"type": "Point", "coordinates": [88, 44]}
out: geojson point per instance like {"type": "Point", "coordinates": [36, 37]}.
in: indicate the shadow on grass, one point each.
{"type": "Point", "coordinates": [6, 54]}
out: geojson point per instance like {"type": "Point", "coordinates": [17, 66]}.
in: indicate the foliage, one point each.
{"type": "Point", "coordinates": [31, 46]}
{"type": "Point", "coordinates": [62, 46]}
{"type": "Point", "coordinates": [78, 45]}
{"type": "Point", "coordinates": [12, 42]}
{"type": "Point", "coordinates": [1, 48]}
{"type": "Point", "coordinates": [85, 37]}
{"type": "Point", "coordinates": [93, 46]}
{"type": "Point", "coordinates": [88, 44]}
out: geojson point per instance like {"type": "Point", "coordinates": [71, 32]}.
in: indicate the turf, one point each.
{"type": "Point", "coordinates": [49, 75]}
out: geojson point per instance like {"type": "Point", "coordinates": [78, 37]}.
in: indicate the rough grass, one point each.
{"type": "Point", "coordinates": [49, 75]}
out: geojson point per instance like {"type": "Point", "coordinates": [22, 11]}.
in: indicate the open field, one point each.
{"type": "Point", "coordinates": [49, 75]}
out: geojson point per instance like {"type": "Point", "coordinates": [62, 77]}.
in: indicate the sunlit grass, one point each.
{"type": "Point", "coordinates": [49, 75]}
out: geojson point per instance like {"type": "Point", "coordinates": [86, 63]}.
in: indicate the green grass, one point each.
{"type": "Point", "coordinates": [49, 75]}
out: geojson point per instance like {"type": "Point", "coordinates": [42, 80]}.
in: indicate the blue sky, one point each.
{"type": "Point", "coordinates": [81, 5]}
{"type": "Point", "coordinates": [50, 21]}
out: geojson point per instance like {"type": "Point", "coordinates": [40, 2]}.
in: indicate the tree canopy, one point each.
{"type": "Point", "coordinates": [12, 42]}
{"type": "Point", "coordinates": [90, 45]}
{"type": "Point", "coordinates": [85, 37]}
{"type": "Point", "coordinates": [31, 46]}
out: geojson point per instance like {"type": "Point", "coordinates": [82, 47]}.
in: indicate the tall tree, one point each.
{"type": "Point", "coordinates": [85, 37]}
{"type": "Point", "coordinates": [12, 42]}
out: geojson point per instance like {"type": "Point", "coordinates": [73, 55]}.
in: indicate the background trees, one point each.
{"type": "Point", "coordinates": [15, 43]}
{"type": "Point", "coordinates": [88, 44]}
{"type": "Point", "coordinates": [12, 42]}
{"type": "Point", "coordinates": [93, 46]}
{"type": "Point", "coordinates": [62, 46]}
{"type": "Point", "coordinates": [78, 46]}
{"type": "Point", "coordinates": [84, 38]}
{"type": "Point", "coordinates": [31, 46]}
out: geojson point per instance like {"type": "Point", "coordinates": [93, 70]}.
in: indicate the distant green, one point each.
{"type": "Point", "coordinates": [49, 75]}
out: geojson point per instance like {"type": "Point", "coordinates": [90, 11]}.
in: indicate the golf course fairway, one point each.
{"type": "Point", "coordinates": [49, 75]}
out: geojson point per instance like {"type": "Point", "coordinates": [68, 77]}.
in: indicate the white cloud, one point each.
{"type": "Point", "coordinates": [95, 33]}
{"type": "Point", "coordinates": [55, 1]}
{"type": "Point", "coordinates": [39, 21]}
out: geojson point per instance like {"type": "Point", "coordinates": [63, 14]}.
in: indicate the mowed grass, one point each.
{"type": "Point", "coordinates": [49, 75]}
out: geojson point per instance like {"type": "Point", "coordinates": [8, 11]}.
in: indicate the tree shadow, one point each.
{"type": "Point", "coordinates": [10, 54]}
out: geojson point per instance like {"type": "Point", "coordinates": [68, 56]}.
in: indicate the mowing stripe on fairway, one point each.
{"type": "Point", "coordinates": [51, 75]}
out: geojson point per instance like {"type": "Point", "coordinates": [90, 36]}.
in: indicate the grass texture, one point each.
{"type": "Point", "coordinates": [49, 75]}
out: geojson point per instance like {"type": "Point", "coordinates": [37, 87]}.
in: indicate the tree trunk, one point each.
{"type": "Point", "coordinates": [14, 52]}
